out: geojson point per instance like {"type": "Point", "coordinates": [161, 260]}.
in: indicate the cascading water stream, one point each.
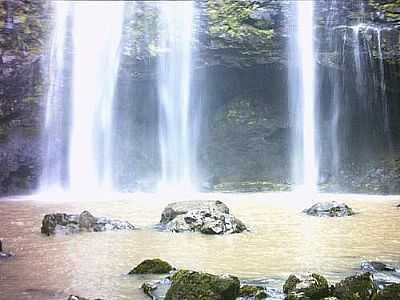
{"type": "Point", "coordinates": [53, 175]}
{"type": "Point", "coordinates": [302, 98]}
{"type": "Point", "coordinates": [95, 42]}
{"type": "Point", "coordinates": [176, 124]}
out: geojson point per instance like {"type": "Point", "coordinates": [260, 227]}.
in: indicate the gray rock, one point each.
{"type": "Point", "coordinates": [329, 209]}
{"type": "Point", "coordinates": [73, 297]}
{"type": "Point", "coordinates": [211, 218]}
{"type": "Point", "coordinates": [157, 289]}
{"type": "Point", "coordinates": [180, 208]}
{"type": "Point", "coordinates": [61, 223]}
{"type": "Point", "coordinates": [4, 254]}
{"type": "Point", "coordinates": [306, 287]}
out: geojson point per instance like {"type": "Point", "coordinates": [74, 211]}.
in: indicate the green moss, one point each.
{"type": "Point", "coordinates": [231, 17]}
{"type": "Point", "coordinates": [190, 285]}
{"type": "Point", "coordinates": [252, 291]}
{"type": "Point", "coordinates": [152, 266]}
{"type": "Point", "coordinates": [390, 292]}
{"type": "Point", "coordinates": [390, 8]}
{"type": "Point", "coordinates": [357, 287]}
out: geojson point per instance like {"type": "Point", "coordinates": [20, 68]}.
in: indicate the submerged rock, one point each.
{"type": "Point", "coordinates": [376, 266]}
{"type": "Point", "coordinates": [357, 287]}
{"type": "Point", "coordinates": [252, 292]}
{"type": "Point", "coordinates": [191, 285]}
{"type": "Point", "coordinates": [383, 274]}
{"type": "Point", "coordinates": [152, 266]}
{"type": "Point", "coordinates": [4, 254]}
{"type": "Point", "coordinates": [156, 289]}
{"type": "Point", "coordinates": [208, 217]}
{"type": "Point", "coordinates": [306, 287]}
{"type": "Point", "coordinates": [73, 297]}
{"type": "Point", "coordinates": [329, 209]}
{"type": "Point", "coordinates": [61, 223]}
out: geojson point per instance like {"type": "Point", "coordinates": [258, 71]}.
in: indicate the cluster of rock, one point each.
{"type": "Point", "coordinates": [61, 223]}
{"type": "Point", "coordinates": [192, 285]}
{"type": "Point", "coordinates": [329, 209]}
{"type": "Point", "coordinates": [208, 217]}
{"type": "Point", "coordinates": [360, 286]}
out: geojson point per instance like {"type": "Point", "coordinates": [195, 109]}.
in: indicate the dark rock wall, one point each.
{"type": "Point", "coordinates": [23, 27]}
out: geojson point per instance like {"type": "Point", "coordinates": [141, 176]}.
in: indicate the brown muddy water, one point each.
{"type": "Point", "coordinates": [282, 240]}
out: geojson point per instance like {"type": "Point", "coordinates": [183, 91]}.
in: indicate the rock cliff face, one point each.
{"type": "Point", "coordinates": [239, 77]}
{"type": "Point", "coordinates": [23, 28]}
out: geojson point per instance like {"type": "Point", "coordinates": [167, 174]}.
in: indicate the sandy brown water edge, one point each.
{"type": "Point", "coordinates": [282, 240]}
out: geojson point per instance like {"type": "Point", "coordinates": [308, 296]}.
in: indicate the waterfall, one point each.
{"type": "Point", "coordinates": [302, 98]}
{"type": "Point", "coordinates": [177, 130]}
{"type": "Point", "coordinates": [54, 148]}
{"type": "Point", "coordinates": [95, 32]}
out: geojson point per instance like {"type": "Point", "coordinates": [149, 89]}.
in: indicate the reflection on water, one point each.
{"type": "Point", "coordinates": [282, 240]}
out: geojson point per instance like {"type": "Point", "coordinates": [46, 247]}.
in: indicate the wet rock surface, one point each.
{"type": "Point", "coordinates": [390, 292]}
{"type": "Point", "coordinates": [360, 286]}
{"type": "Point", "coordinates": [152, 266]}
{"type": "Point", "coordinates": [383, 274]}
{"type": "Point", "coordinates": [4, 254]}
{"type": "Point", "coordinates": [306, 286]}
{"type": "Point", "coordinates": [62, 223]}
{"type": "Point", "coordinates": [329, 209]}
{"type": "Point", "coordinates": [191, 285]}
{"type": "Point", "coordinates": [207, 217]}
{"type": "Point", "coordinates": [73, 297]}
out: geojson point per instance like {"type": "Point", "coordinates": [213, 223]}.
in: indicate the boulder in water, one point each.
{"type": "Point", "coordinates": [191, 285]}
{"type": "Point", "coordinates": [73, 297]}
{"type": "Point", "coordinates": [152, 266]}
{"type": "Point", "coordinates": [180, 208]}
{"type": "Point", "coordinates": [357, 287]}
{"type": "Point", "coordinates": [306, 287]}
{"type": "Point", "coordinates": [383, 274]}
{"type": "Point", "coordinates": [252, 292]}
{"type": "Point", "coordinates": [61, 223]}
{"type": "Point", "coordinates": [208, 217]}
{"type": "Point", "coordinates": [329, 209]}
{"type": "Point", "coordinates": [4, 254]}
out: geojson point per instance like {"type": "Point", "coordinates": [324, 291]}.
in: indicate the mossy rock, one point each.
{"type": "Point", "coordinates": [256, 292]}
{"type": "Point", "coordinates": [390, 292]}
{"type": "Point", "coordinates": [306, 287]}
{"type": "Point", "coordinates": [357, 287]}
{"type": "Point", "coordinates": [191, 285]}
{"type": "Point", "coordinates": [152, 266]}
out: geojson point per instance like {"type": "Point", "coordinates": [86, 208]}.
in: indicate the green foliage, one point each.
{"type": "Point", "coordinates": [391, 8]}
{"type": "Point", "coordinates": [30, 27]}
{"type": "Point", "coordinates": [230, 17]}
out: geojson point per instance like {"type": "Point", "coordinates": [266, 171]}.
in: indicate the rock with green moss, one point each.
{"type": "Point", "coordinates": [357, 287]}
{"type": "Point", "coordinates": [191, 285]}
{"type": "Point", "coordinates": [390, 292]}
{"type": "Point", "coordinates": [252, 292]}
{"type": "Point", "coordinates": [152, 266]}
{"type": "Point", "coordinates": [306, 287]}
